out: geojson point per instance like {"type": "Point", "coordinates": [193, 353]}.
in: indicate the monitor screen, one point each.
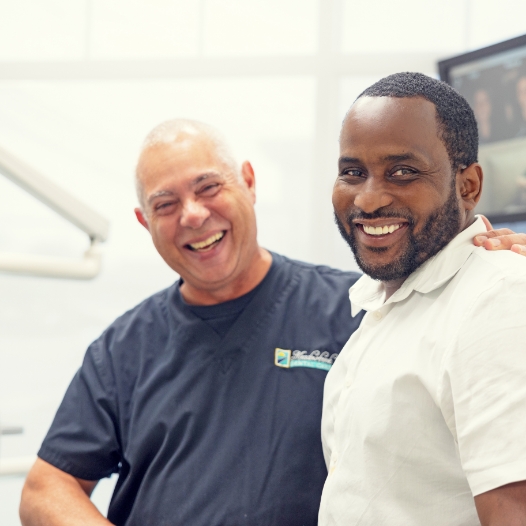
{"type": "Point", "coordinates": [493, 80]}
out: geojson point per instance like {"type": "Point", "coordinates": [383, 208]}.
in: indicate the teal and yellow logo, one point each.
{"type": "Point", "coordinates": [317, 359]}
{"type": "Point", "coordinates": [282, 357]}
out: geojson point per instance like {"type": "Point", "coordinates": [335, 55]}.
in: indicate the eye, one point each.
{"type": "Point", "coordinates": [164, 207]}
{"type": "Point", "coordinates": [403, 173]}
{"type": "Point", "coordinates": [352, 173]}
{"type": "Point", "coordinates": [209, 190]}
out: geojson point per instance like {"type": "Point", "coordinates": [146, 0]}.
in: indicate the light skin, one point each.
{"type": "Point", "coordinates": [501, 239]}
{"type": "Point", "coordinates": [190, 196]}
{"type": "Point", "coordinates": [52, 497]}
{"type": "Point", "coordinates": [392, 158]}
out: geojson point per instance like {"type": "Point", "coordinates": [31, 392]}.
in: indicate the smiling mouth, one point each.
{"type": "Point", "coordinates": [207, 244]}
{"type": "Point", "coordinates": [380, 230]}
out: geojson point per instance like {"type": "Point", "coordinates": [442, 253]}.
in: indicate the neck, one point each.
{"type": "Point", "coordinates": [391, 287]}
{"type": "Point", "coordinates": [246, 281]}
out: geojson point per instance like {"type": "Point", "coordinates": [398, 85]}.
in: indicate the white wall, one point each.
{"type": "Point", "coordinates": [81, 83]}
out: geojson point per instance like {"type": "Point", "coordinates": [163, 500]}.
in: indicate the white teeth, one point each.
{"type": "Point", "coordinates": [203, 244]}
{"type": "Point", "coordinates": [379, 230]}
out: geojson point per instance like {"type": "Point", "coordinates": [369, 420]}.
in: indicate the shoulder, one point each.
{"type": "Point", "coordinates": [321, 295]}
{"type": "Point", "coordinates": [132, 330]}
{"type": "Point", "coordinates": [151, 310]}
{"type": "Point", "coordinates": [496, 269]}
{"type": "Point", "coordinates": [489, 298]}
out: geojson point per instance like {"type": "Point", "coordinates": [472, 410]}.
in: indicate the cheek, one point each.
{"type": "Point", "coordinates": [163, 233]}
{"type": "Point", "coordinates": [342, 198]}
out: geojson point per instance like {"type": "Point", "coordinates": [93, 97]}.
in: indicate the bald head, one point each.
{"type": "Point", "coordinates": [177, 131]}
{"type": "Point", "coordinates": [198, 207]}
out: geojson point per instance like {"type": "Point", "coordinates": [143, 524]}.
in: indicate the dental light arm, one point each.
{"type": "Point", "coordinates": [70, 209]}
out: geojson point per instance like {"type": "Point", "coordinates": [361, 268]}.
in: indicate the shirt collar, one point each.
{"type": "Point", "coordinates": [369, 294]}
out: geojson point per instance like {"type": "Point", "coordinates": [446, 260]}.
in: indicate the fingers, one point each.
{"type": "Point", "coordinates": [486, 222]}
{"type": "Point", "coordinates": [501, 232]}
{"type": "Point", "coordinates": [519, 249]}
{"type": "Point", "coordinates": [498, 240]}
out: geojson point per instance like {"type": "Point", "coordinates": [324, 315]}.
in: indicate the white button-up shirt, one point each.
{"type": "Point", "coordinates": [426, 405]}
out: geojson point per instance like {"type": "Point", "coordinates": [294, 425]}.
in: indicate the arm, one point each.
{"type": "Point", "coordinates": [52, 497]}
{"type": "Point", "coordinates": [504, 506]}
{"type": "Point", "coordinates": [502, 239]}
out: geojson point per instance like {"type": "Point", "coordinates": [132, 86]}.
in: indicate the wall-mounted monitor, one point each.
{"type": "Point", "coordinates": [493, 80]}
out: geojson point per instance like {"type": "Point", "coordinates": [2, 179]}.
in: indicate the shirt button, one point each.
{"type": "Point", "coordinates": [377, 315]}
{"type": "Point", "coordinates": [348, 382]}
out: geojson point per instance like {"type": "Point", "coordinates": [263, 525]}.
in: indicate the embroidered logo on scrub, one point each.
{"type": "Point", "coordinates": [315, 360]}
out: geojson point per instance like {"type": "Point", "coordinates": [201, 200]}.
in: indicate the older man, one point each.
{"type": "Point", "coordinates": [424, 417]}
{"type": "Point", "coordinates": [206, 398]}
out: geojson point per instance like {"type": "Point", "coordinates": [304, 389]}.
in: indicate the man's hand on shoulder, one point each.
{"type": "Point", "coordinates": [501, 239]}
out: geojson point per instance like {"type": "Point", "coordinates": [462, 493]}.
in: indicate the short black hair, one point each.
{"type": "Point", "coordinates": [456, 120]}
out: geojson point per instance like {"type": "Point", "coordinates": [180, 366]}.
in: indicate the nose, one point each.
{"type": "Point", "coordinates": [193, 214]}
{"type": "Point", "coordinates": [372, 195]}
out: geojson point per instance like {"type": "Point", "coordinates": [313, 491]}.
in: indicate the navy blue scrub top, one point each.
{"type": "Point", "coordinates": [210, 415]}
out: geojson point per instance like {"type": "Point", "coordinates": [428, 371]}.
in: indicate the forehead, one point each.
{"type": "Point", "coordinates": [179, 162]}
{"type": "Point", "coordinates": [389, 123]}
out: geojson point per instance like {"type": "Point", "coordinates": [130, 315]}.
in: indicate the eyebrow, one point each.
{"type": "Point", "coordinates": [161, 193]}
{"type": "Point", "coordinates": [348, 160]}
{"type": "Point", "coordinates": [196, 181]}
{"type": "Point", "coordinates": [392, 158]}
{"type": "Point", "coordinates": [401, 157]}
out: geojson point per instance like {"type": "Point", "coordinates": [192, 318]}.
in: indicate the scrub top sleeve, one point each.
{"type": "Point", "coordinates": [486, 373]}
{"type": "Point", "coordinates": [82, 440]}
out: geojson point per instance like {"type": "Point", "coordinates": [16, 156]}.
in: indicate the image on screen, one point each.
{"type": "Point", "coordinates": [493, 80]}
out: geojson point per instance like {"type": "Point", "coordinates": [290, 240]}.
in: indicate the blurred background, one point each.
{"type": "Point", "coordinates": [83, 81]}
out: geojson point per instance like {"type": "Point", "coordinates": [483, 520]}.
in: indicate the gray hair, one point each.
{"type": "Point", "coordinates": [176, 129]}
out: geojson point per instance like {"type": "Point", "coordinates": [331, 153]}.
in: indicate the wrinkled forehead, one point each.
{"type": "Point", "coordinates": [178, 165]}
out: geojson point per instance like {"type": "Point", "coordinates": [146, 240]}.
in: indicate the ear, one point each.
{"type": "Point", "coordinates": [247, 173]}
{"type": "Point", "coordinates": [140, 217]}
{"type": "Point", "coordinates": [470, 185]}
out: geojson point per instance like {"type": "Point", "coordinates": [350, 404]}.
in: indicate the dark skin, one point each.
{"type": "Point", "coordinates": [392, 160]}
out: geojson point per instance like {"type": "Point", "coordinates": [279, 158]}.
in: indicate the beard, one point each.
{"type": "Point", "coordinates": [440, 228]}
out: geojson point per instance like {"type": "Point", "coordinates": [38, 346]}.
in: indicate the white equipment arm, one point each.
{"type": "Point", "coordinates": [69, 208]}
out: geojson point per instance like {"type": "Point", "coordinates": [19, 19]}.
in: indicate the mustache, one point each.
{"type": "Point", "coordinates": [356, 215]}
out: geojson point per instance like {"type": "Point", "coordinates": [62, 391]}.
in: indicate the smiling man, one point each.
{"type": "Point", "coordinates": [205, 398]}
{"type": "Point", "coordinates": [424, 412]}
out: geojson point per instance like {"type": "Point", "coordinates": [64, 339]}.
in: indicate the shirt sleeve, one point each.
{"type": "Point", "coordinates": [83, 439]}
{"type": "Point", "coordinates": [485, 379]}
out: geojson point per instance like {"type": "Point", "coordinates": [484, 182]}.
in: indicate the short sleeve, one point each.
{"type": "Point", "coordinates": [83, 439]}
{"type": "Point", "coordinates": [485, 374]}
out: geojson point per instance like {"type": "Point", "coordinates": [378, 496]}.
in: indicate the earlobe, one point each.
{"type": "Point", "coordinates": [140, 217]}
{"type": "Point", "coordinates": [470, 185]}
